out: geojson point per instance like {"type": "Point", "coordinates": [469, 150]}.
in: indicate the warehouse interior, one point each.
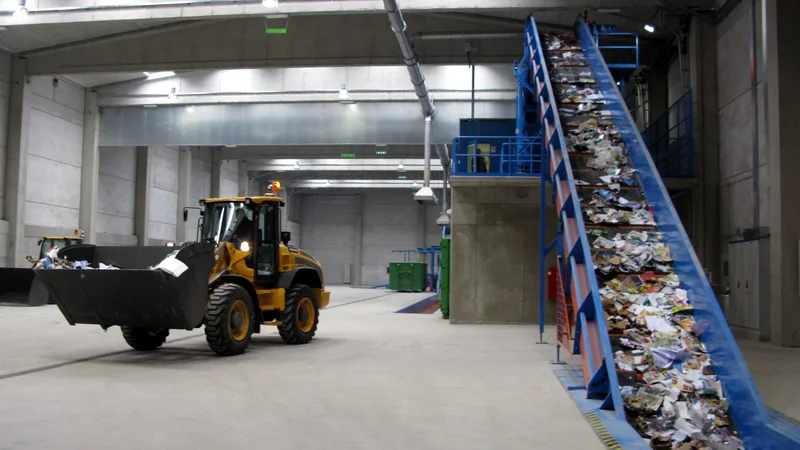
{"type": "Point", "coordinates": [432, 136]}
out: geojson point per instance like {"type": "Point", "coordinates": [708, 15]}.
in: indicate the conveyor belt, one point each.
{"type": "Point", "coordinates": [622, 250]}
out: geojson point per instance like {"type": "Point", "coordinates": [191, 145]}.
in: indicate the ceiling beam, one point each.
{"type": "Point", "coordinates": [188, 10]}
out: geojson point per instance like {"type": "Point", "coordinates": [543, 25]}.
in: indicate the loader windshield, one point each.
{"type": "Point", "coordinates": [223, 220]}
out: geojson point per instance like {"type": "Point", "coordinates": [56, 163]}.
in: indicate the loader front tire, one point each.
{"type": "Point", "coordinates": [142, 339]}
{"type": "Point", "coordinates": [229, 320]}
{"type": "Point", "coordinates": [300, 317]}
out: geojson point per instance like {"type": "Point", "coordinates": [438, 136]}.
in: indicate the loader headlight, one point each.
{"type": "Point", "coordinates": [244, 246]}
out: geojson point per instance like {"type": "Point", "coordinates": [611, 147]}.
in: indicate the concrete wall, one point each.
{"type": "Point", "coordinates": [200, 184]}
{"type": "Point", "coordinates": [736, 122]}
{"type": "Point", "coordinates": [675, 86]}
{"type": "Point", "coordinates": [390, 220]}
{"type": "Point", "coordinates": [495, 255]}
{"type": "Point", "coordinates": [5, 77]}
{"type": "Point", "coordinates": [229, 184]}
{"type": "Point", "coordinates": [116, 196]}
{"type": "Point", "coordinates": [328, 230]}
{"type": "Point", "coordinates": [55, 151]}
{"type": "Point", "coordinates": [163, 195]}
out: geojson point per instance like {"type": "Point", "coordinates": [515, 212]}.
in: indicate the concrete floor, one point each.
{"type": "Point", "coordinates": [372, 379]}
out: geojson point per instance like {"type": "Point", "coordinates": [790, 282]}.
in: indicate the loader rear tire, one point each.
{"type": "Point", "coordinates": [229, 320]}
{"type": "Point", "coordinates": [300, 316]}
{"type": "Point", "coordinates": [142, 339]}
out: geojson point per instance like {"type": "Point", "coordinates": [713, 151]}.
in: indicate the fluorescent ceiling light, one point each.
{"type": "Point", "coordinates": [343, 94]}
{"type": "Point", "coordinates": [649, 28]}
{"type": "Point", "coordinates": [157, 75]}
{"type": "Point", "coordinates": [269, 3]}
{"type": "Point", "coordinates": [150, 106]}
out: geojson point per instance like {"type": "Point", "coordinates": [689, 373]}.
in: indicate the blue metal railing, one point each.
{"type": "Point", "coordinates": [626, 56]}
{"type": "Point", "coordinates": [497, 156]}
{"type": "Point", "coordinates": [670, 139]}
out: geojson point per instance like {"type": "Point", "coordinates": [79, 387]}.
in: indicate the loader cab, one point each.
{"type": "Point", "coordinates": [252, 226]}
{"type": "Point", "coordinates": [47, 242]}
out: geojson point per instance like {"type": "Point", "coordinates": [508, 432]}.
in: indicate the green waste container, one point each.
{"type": "Point", "coordinates": [407, 276]}
{"type": "Point", "coordinates": [444, 279]}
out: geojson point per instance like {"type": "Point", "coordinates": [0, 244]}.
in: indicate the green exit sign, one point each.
{"type": "Point", "coordinates": [348, 155]}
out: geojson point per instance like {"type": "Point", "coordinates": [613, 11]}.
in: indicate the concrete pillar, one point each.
{"type": "Point", "coordinates": [141, 225]}
{"type": "Point", "coordinates": [358, 251]}
{"type": "Point", "coordinates": [184, 189]}
{"type": "Point", "coordinates": [216, 172]}
{"type": "Point", "coordinates": [705, 196]}
{"type": "Point", "coordinates": [90, 167]}
{"type": "Point", "coordinates": [782, 104]}
{"type": "Point", "coordinates": [244, 180]}
{"type": "Point", "coordinates": [421, 218]}
{"type": "Point", "coordinates": [16, 163]}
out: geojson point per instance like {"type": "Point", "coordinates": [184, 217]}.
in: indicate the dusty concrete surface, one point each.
{"type": "Point", "coordinates": [774, 370]}
{"type": "Point", "coordinates": [371, 380]}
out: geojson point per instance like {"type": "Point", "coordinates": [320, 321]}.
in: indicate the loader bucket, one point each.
{"type": "Point", "coordinates": [135, 295]}
{"type": "Point", "coordinates": [15, 286]}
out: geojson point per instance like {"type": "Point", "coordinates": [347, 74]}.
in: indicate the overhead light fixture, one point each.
{"type": "Point", "coordinates": [296, 166]}
{"type": "Point", "coordinates": [327, 184]}
{"type": "Point", "coordinates": [230, 146]}
{"type": "Point", "coordinates": [150, 106]}
{"type": "Point", "coordinates": [21, 11]}
{"type": "Point", "coordinates": [401, 168]}
{"type": "Point", "coordinates": [343, 94]}
{"type": "Point", "coordinates": [269, 3]}
{"type": "Point", "coordinates": [415, 184]}
{"type": "Point", "coordinates": [157, 75]}
{"type": "Point", "coordinates": [173, 94]}
{"type": "Point", "coordinates": [618, 83]}
{"type": "Point", "coordinates": [443, 220]}
{"type": "Point", "coordinates": [649, 28]}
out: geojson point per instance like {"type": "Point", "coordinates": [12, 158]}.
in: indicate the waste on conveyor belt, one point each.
{"type": "Point", "coordinates": [672, 395]}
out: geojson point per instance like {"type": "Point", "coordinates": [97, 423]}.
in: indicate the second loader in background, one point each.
{"type": "Point", "coordinates": [242, 275]}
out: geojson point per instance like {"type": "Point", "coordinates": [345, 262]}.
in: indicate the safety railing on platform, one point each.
{"type": "Point", "coordinates": [497, 156]}
{"type": "Point", "coordinates": [591, 339]}
{"type": "Point", "coordinates": [670, 139]}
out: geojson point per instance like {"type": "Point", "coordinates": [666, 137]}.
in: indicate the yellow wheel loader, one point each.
{"type": "Point", "coordinates": [240, 276]}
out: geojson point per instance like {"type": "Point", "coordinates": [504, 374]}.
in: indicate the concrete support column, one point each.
{"type": "Point", "coordinates": [90, 167]}
{"type": "Point", "coordinates": [358, 250]}
{"type": "Point", "coordinates": [141, 225]}
{"type": "Point", "coordinates": [244, 179]}
{"type": "Point", "coordinates": [782, 104]}
{"type": "Point", "coordinates": [705, 196]}
{"type": "Point", "coordinates": [422, 217]}
{"type": "Point", "coordinates": [16, 163]}
{"type": "Point", "coordinates": [216, 172]}
{"type": "Point", "coordinates": [184, 188]}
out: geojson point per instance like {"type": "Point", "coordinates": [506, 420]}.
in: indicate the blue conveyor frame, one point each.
{"type": "Point", "coordinates": [755, 426]}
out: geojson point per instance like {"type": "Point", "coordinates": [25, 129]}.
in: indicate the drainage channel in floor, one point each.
{"type": "Point", "coordinates": [427, 305]}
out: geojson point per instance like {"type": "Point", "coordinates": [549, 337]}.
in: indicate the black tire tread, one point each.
{"type": "Point", "coordinates": [289, 330]}
{"type": "Point", "coordinates": [216, 320]}
{"type": "Point", "coordinates": [141, 340]}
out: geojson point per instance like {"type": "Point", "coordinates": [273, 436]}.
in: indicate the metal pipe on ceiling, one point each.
{"type": "Point", "coordinates": [426, 180]}
{"type": "Point", "coordinates": [418, 80]}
